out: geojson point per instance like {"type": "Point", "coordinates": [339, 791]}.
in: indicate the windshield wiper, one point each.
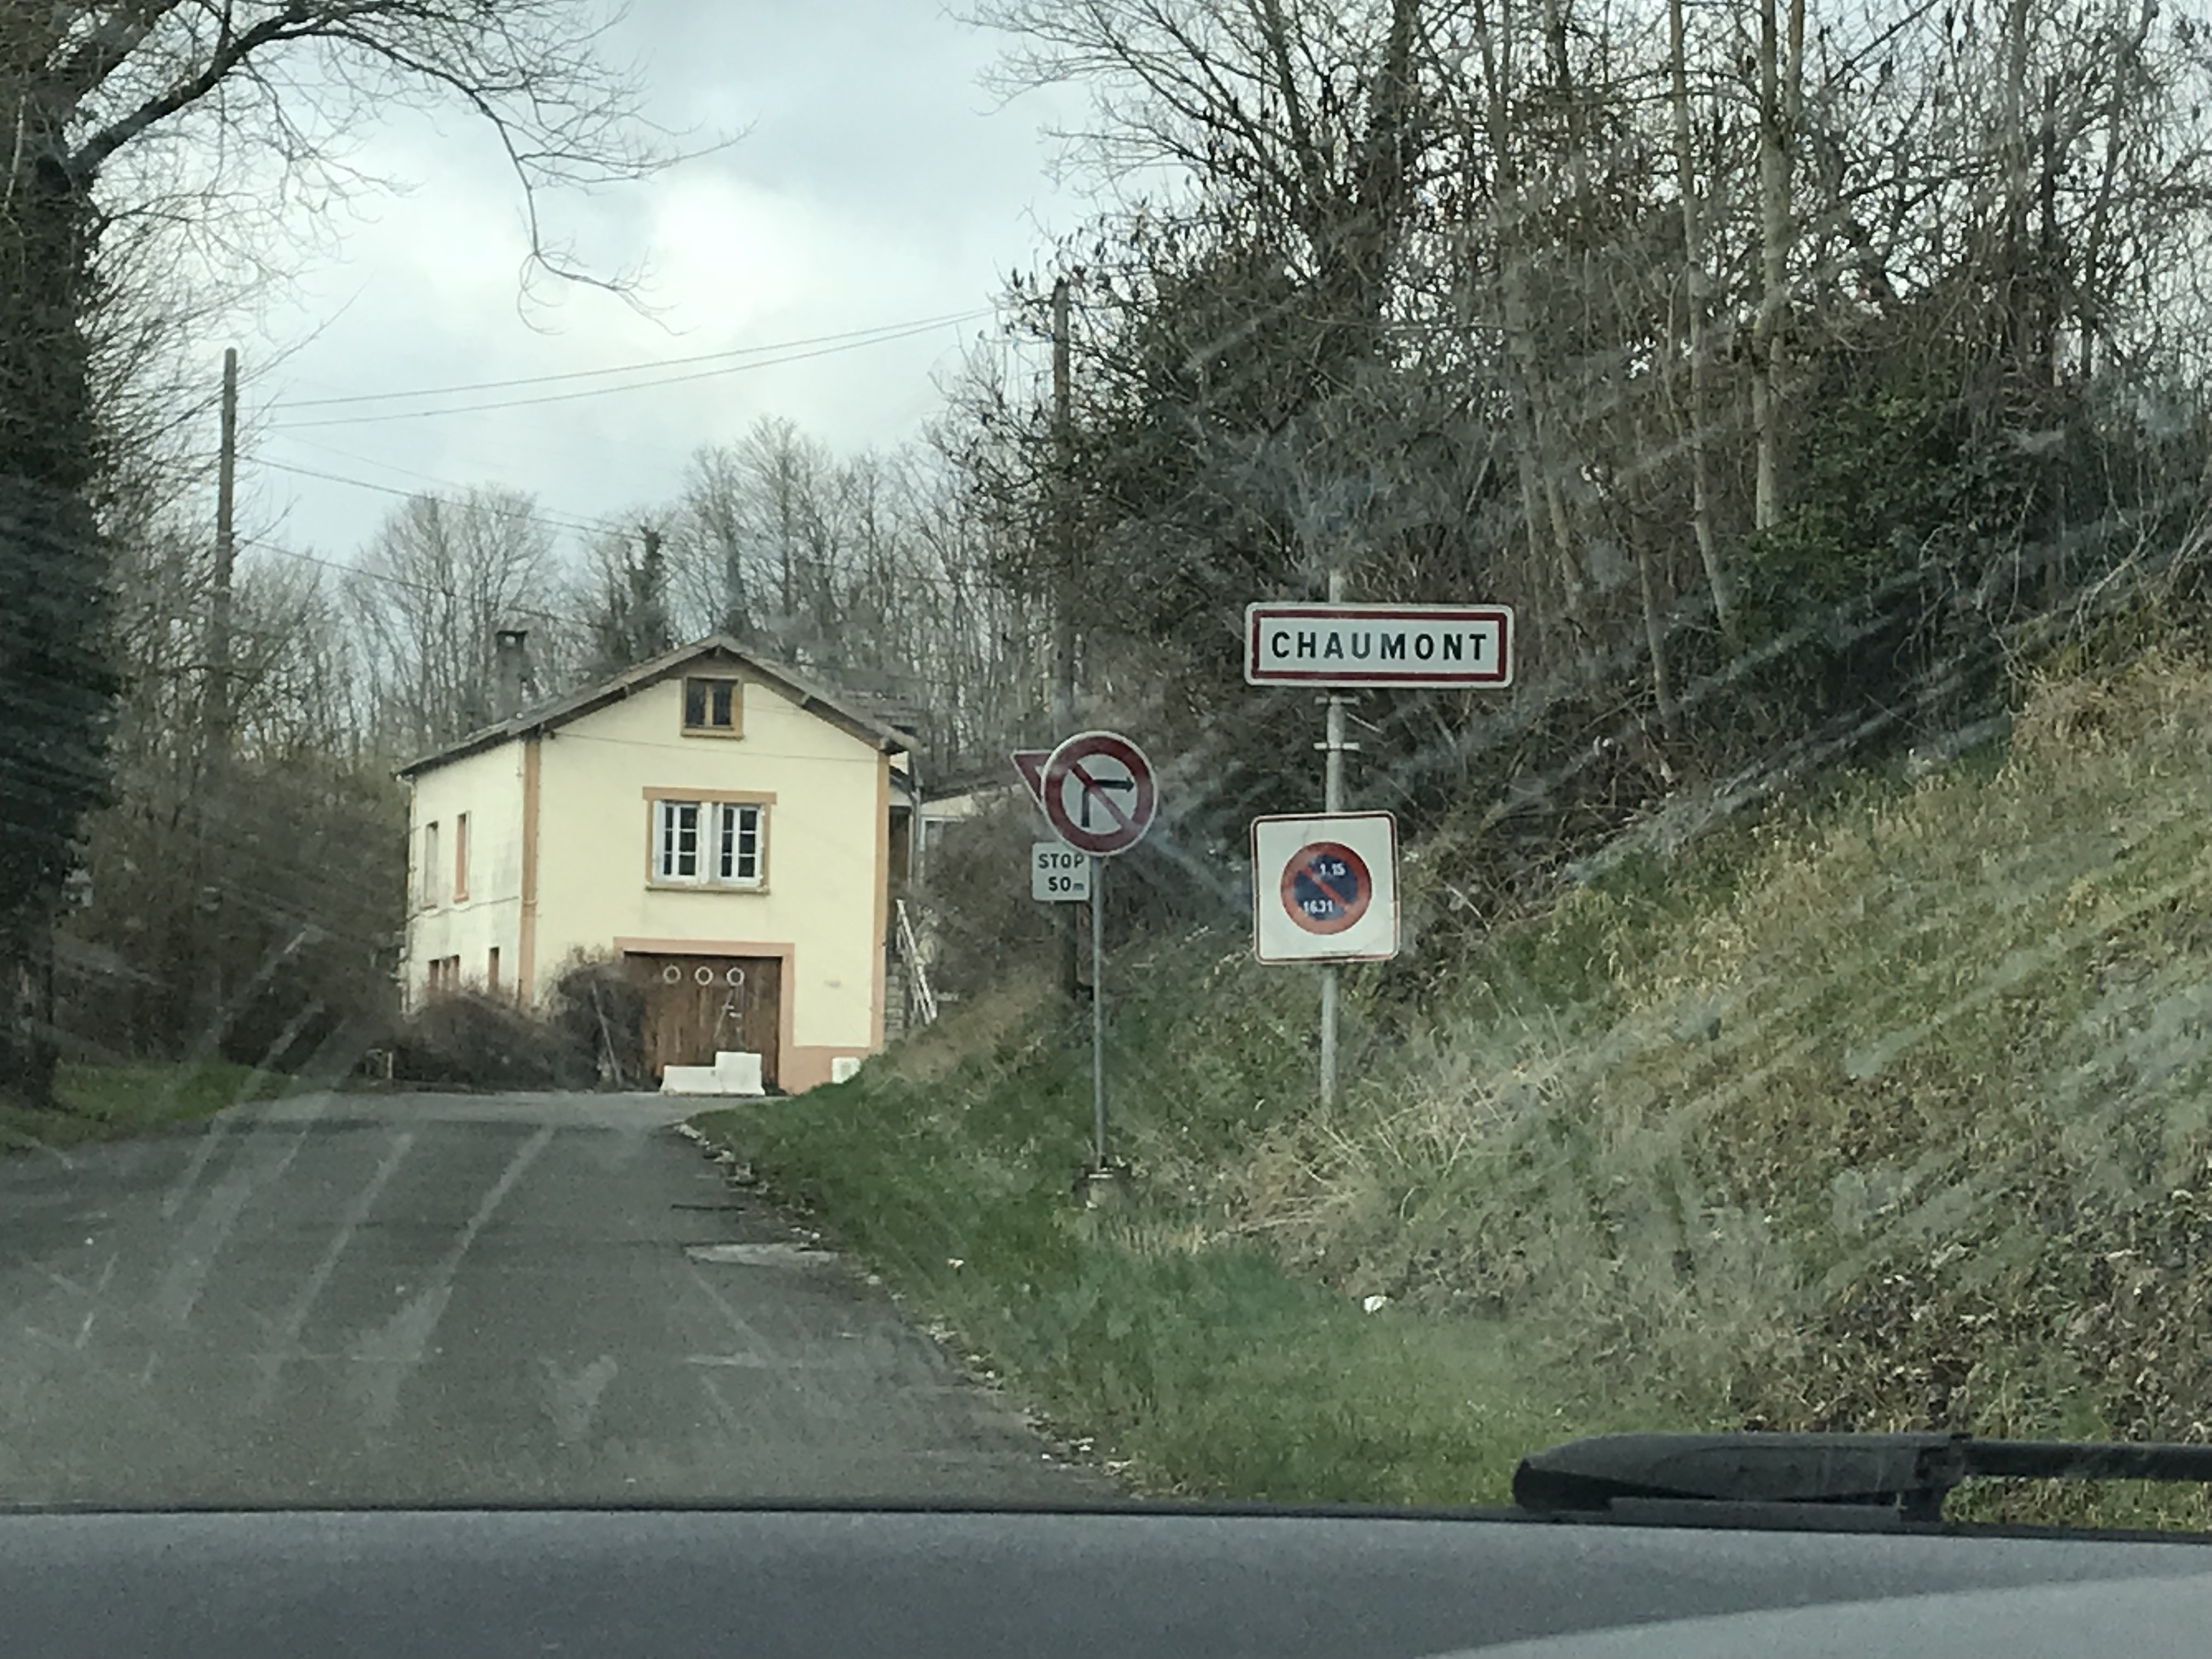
{"type": "Point", "coordinates": [1853, 1479]}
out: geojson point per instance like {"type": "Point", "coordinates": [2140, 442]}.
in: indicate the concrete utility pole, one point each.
{"type": "Point", "coordinates": [1063, 607]}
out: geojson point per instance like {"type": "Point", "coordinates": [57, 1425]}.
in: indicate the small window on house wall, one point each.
{"type": "Point", "coordinates": [712, 707]}
{"type": "Point", "coordinates": [491, 971]}
{"type": "Point", "coordinates": [712, 843]}
{"type": "Point", "coordinates": [431, 873]}
{"type": "Point", "coordinates": [461, 859]}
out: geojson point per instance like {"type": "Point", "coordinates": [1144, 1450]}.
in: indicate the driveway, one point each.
{"type": "Point", "coordinates": [403, 1299]}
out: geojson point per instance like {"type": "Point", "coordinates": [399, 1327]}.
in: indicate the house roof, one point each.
{"type": "Point", "coordinates": [974, 790]}
{"type": "Point", "coordinates": [544, 717]}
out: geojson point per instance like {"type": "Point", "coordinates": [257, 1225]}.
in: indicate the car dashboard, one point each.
{"type": "Point", "coordinates": [921, 1583]}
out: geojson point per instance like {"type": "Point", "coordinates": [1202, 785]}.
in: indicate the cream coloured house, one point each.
{"type": "Point", "coordinates": [723, 828]}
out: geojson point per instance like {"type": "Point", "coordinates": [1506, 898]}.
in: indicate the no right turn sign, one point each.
{"type": "Point", "coordinates": [1325, 888]}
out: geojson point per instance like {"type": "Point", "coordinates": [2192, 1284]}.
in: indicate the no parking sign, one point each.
{"type": "Point", "coordinates": [1325, 888]}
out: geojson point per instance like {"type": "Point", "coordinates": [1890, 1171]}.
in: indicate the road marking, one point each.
{"type": "Point", "coordinates": [758, 1255]}
{"type": "Point", "coordinates": [756, 1362]}
{"type": "Point", "coordinates": [738, 1323]}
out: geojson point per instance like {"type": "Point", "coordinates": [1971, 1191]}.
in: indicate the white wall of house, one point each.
{"type": "Point", "coordinates": [821, 901]}
{"type": "Point", "coordinates": [939, 812]}
{"type": "Point", "coordinates": [465, 930]}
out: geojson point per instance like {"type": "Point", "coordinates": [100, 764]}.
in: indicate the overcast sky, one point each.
{"type": "Point", "coordinates": [877, 183]}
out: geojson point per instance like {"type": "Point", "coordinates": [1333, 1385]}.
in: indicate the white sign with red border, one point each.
{"type": "Point", "coordinates": [1325, 887]}
{"type": "Point", "coordinates": [1414, 644]}
{"type": "Point", "coordinates": [1099, 793]}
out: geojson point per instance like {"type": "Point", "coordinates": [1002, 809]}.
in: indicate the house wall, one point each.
{"type": "Point", "coordinates": [939, 812]}
{"type": "Point", "coordinates": [489, 788]}
{"type": "Point", "coordinates": [822, 907]}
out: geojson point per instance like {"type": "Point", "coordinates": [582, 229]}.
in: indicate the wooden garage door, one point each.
{"type": "Point", "coordinates": [695, 1005]}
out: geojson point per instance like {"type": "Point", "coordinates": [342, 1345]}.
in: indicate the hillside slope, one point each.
{"type": "Point", "coordinates": [1898, 1114]}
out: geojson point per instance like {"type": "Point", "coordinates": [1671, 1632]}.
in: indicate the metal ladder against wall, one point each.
{"type": "Point", "coordinates": [921, 999]}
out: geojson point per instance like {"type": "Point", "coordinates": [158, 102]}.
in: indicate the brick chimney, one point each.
{"type": "Point", "coordinates": [511, 677]}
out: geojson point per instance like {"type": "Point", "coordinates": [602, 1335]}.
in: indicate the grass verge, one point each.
{"type": "Point", "coordinates": [1890, 1110]}
{"type": "Point", "coordinates": [109, 1103]}
{"type": "Point", "coordinates": [1185, 1354]}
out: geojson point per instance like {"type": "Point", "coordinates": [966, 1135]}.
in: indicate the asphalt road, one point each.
{"type": "Point", "coordinates": [358, 1298]}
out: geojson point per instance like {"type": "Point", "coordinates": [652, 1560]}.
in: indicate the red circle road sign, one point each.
{"type": "Point", "coordinates": [1099, 794]}
{"type": "Point", "coordinates": [1327, 887]}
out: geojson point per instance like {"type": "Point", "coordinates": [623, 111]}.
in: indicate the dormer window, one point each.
{"type": "Point", "coordinates": [713, 707]}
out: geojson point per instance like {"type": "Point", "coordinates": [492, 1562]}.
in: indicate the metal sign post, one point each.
{"type": "Point", "coordinates": [1337, 646]}
{"type": "Point", "coordinates": [1098, 1009]}
{"type": "Point", "coordinates": [1099, 794]}
{"type": "Point", "coordinates": [1331, 800]}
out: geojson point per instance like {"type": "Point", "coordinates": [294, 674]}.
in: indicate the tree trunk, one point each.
{"type": "Point", "coordinates": [56, 690]}
{"type": "Point", "coordinates": [1695, 283]}
{"type": "Point", "coordinates": [2012, 279]}
{"type": "Point", "coordinates": [1780, 87]}
{"type": "Point", "coordinates": [2089, 317]}
{"type": "Point", "coordinates": [1541, 497]}
{"type": "Point", "coordinates": [1655, 641]}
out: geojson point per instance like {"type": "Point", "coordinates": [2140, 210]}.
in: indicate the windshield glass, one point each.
{"type": "Point", "coordinates": [1138, 748]}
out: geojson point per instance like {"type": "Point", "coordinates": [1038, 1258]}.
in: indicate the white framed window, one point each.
{"type": "Point", "coordinates": [676, 841]}
{"type": "Point", "coordinates": [712, 843]}
{"type": "Point", "coordinates": [737, 844]}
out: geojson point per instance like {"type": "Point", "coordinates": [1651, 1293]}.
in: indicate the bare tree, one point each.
{"type": "Point", "coordinates": [1781, 101]}
{"type": "Point", "coordinates": [435, 588]}
{"type": "Point", "coordinates": [1697, 284]}
{"type": "Point", "coordinates": [83, 89]}
{"type": "Point", "coordinates": [712, 577]}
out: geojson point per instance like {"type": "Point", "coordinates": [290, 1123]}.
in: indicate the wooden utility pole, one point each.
{"type": "Point", "coordinates": [1063, 434]}
{"type": "Point", "coordinates": [218, 714]}
{"type": "Point", "coordinates": [1063, 606]}
{"type": "Point", "coordinates": [226, 557]}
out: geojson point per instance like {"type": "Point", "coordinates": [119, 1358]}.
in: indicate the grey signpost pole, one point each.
{"type": "Point", "coordinates": [1338, 648]}
{"type": "Point", "coordinates": [1093, 768]}
{"type": "Point", "coordinates": [1098, 1005]}
{"type": "Point", "coordinates": [1332, 801]}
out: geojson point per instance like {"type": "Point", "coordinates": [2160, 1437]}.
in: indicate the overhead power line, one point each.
{"type": "Point", "coordinates": [906, 333]}
{"type": "Point", "coordinates": [576, 526]}
{"type": "Point", "coordinates": [862, 336]}
{"type": "Point", "coordinates": [388, 578]}
{"type": "Point", "coordinates": [450, 495]}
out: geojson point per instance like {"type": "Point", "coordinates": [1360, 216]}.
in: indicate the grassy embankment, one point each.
{"type": "Point", "coordinates": [108, 1103]}
{"type": "Point", "coordinates": [1893, 1114]}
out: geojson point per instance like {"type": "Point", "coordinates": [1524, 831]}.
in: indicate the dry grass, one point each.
{"type": "Point", "coordinates": [1914, 1129]}
{"type": "Point", "coordinates": [983, 1024]}
{"type": "Point", "coordinates": [1894, 1113]}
